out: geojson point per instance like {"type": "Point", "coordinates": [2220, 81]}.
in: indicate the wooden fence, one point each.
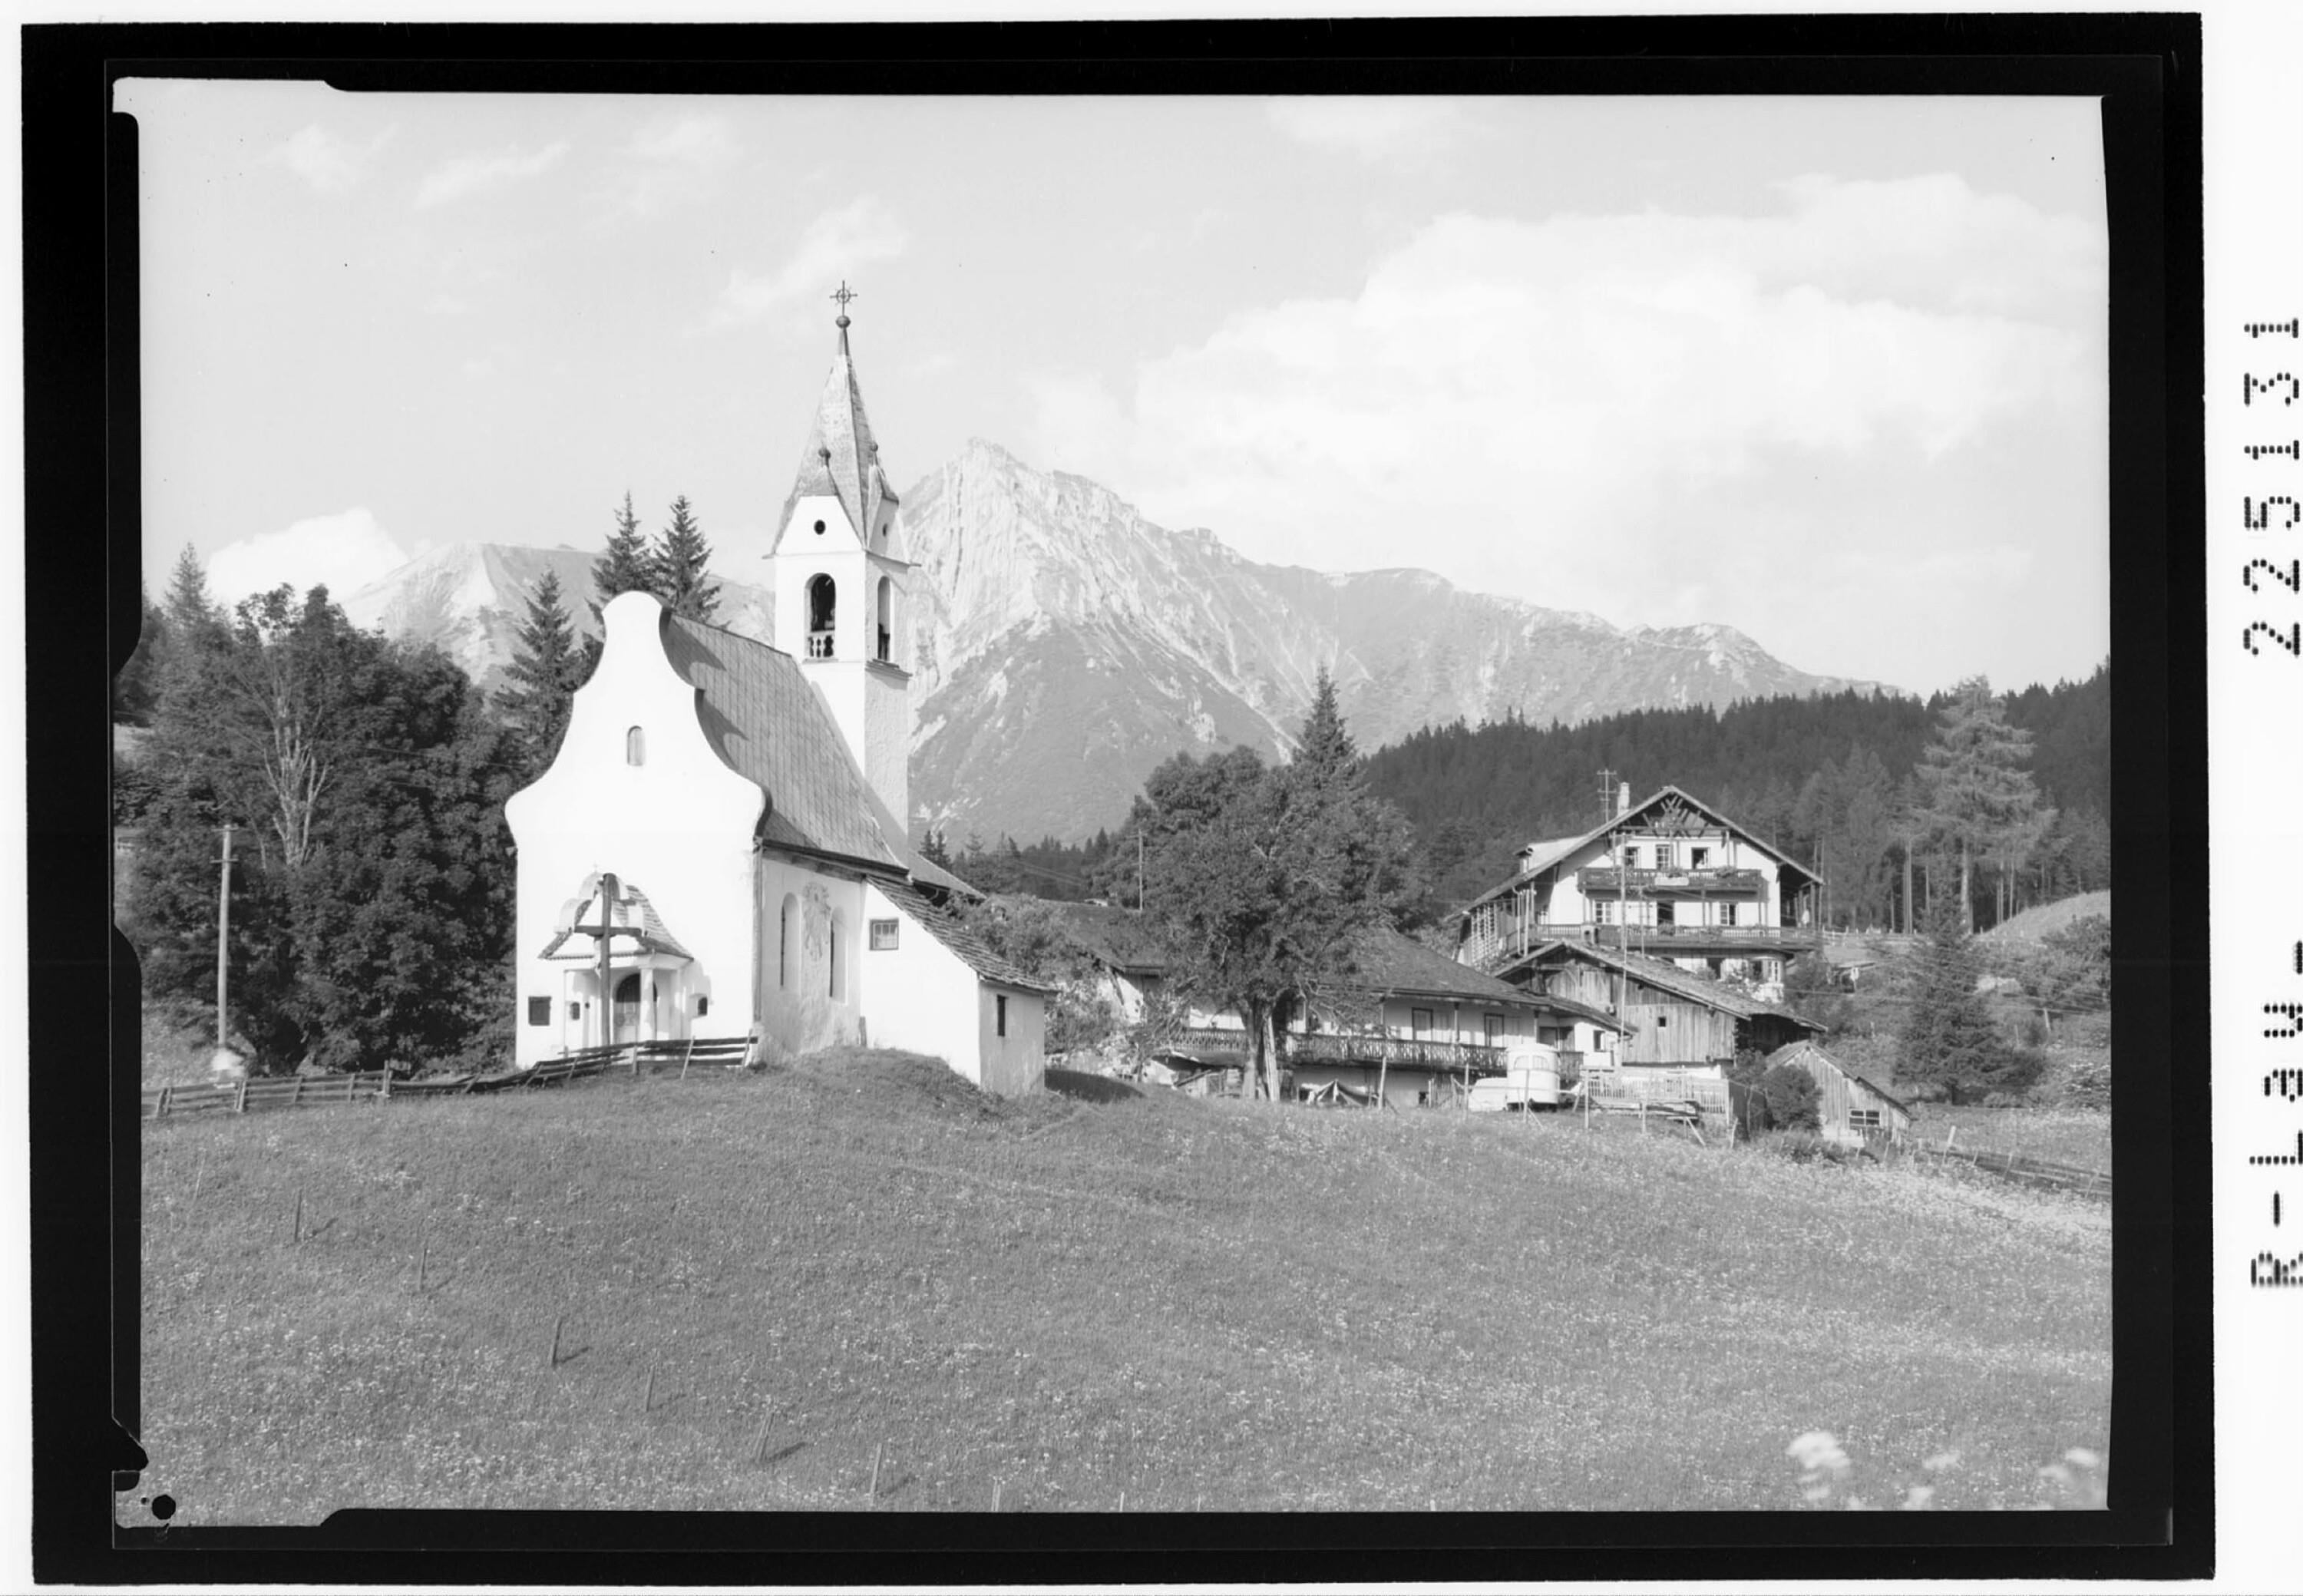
{"type": "Point", "coordinates": [311, 1091]}
{"type": "Point", "coordinates": [2019, 1166]}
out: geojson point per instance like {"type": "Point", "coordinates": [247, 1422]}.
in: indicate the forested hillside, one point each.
{"type": "Point", "coordinates": [1829, 779]}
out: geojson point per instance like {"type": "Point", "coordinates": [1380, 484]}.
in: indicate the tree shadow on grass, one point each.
{"type": "Point", "coordinates": [1090, 1089]}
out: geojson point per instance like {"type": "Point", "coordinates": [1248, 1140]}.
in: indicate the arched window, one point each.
{"type": "Point", "coordinates": [823, 599]}
{"type": "Point", "coordinates": [788, 941]}
{"type": "Point", "coordinates": [838, 960]}
{"type": "Point", "coordinates": [887, 614]}
{"type": "Point", "coordinates": [636, 746]}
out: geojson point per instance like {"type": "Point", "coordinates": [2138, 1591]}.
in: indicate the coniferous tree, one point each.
{"type": "Point", "coordinates": [1948, 1040]}
{"type": "Point", "coordinates": [1979, 797]}
{"type": "Point", "coordinates": [547, 666]}
{"type": "Point", "coordinates": [676, 566]}
{"type": "Point", "coordinates": [626, 565]}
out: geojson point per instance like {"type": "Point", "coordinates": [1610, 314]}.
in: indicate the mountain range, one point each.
{"type": "Point", "coordinates": [1063, 646]}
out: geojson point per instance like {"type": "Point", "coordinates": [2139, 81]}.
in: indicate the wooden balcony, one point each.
{"type": "Point", "coordinates": [1602, 881]}
{"type": "Point", "coordinates": [1491, 951]}
{"type": "Point", "coordinates": [1329, 1047]}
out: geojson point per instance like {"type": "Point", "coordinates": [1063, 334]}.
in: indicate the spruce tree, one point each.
{"type": "Point", "coordinates": [625, 566]}
{"type": "Point", "coordinates": [1325, 752]}
{"type": "Point", "coordinates": [188, 607]}
{"type": "Point", "coordinates": [1948, 1039]}
{"type": "Point", "coordinates": [547, 666]}
{"type": "Point", "coordinates": [677, 565]}
{"type": "Point", "coordinates": [1979, 797]}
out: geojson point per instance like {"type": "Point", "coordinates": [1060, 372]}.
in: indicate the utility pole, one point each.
{"type": "Point", "coordinates": [1606, 795]}
{"type": "Point", "coordinates": [224, 943]}
{"type": "Point", "coordinates": [1139, 870]}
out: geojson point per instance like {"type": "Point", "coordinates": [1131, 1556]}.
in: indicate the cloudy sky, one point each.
{"type": "Point", "coordinates": [1832, 371]}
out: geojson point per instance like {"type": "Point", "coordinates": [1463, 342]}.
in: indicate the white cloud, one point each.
{"type": "Point", "coordinates": [1555, 394]}
{"type": "Point", "coordinates": [668, 163]}
{"type": "Point", "coordinates": [1388, 128]}
{"type": "Point", "coordinates": [829, 249]}
{"type": "Point", "coordinates": [468, 175]}
{"type": "Point", "coordinates": [345, 551]}
{"type": "Point", "coordinates": [330, 164]}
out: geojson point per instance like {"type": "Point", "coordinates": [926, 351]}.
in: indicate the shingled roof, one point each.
{"type": "Point", "coordinates": [1792, 1050]}
{"type": "Point", "coordinates": [769, 725]}
{"type": "Point", "coordinates": [953, 933]}
{"type": "Point", "coordinates": [634, 916]}
{"type": "Point", "coordinates": [1389, 965]}
{"type": "Point", "coordinates": [1120, 939]}
{"type": "Point", "coordinates": [841, 458]}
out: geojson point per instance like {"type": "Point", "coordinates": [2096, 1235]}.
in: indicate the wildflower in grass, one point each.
{"type": "Point", "coordinates": [1822, 1463]}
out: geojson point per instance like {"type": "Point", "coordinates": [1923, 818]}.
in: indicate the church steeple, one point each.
{"type": "Point", "coordinates": [839, 575]}
{"type": "Point", "coordinates": [842, 459]}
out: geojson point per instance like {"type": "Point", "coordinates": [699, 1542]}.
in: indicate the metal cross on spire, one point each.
{"type": "Point", "coordinates": [845, 294]}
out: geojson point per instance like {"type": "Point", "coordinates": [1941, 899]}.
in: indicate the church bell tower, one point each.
{"type": "Point", "coordinates": [839, 572]}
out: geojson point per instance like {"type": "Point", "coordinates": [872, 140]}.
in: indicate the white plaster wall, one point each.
{"type": "Point", "coordinates": [1016, 1063]}
{"type": "Point", "coordinates": [803, 552]}
{"type": "Point", "coordinates": [886, 751]}
{"type": "Point", "coordinates": [800, 1015]}
{"type": "Point", "coordinates": [920, 995]}
{"type": "Point", "coordinates": [677, 826]}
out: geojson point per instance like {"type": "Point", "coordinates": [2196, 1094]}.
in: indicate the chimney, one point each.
{"type": "Point", "coordinates": [1623, 798]}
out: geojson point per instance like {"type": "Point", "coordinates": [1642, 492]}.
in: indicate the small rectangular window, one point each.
{"type": "Point", "coordinates": [1495, 1028]}
{"type": "Point", "coordinates": [1863, 1118]}
{"type": "Point", "coordinates": [539, 1011]}
{"type": "Point", "coordinates": [883, 936]}
{"type": "Point", "coordinates": [1663, 855]}
{"type": "Point", "coordinates": [703, 1006]}
{"type": "Point", "coordinates": [1726, 913]}
{"type": "Point", "coordinates": [999, 1013]}
{"type": "Point", "coordinates": [1698, 857]}
{"type": "Point", "coordinates": [1418, 1021]}
{"type": "Point", "coordinates": [1631, 855]}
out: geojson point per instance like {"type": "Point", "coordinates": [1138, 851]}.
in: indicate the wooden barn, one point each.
{"type": "Point", "coordinates": [1672, 1018]}
{"type": "Point", "coordinates": [1851, 1107]}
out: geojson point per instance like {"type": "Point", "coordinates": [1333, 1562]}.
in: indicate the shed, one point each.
{"type": "Point", "coordinates": [1850, 1106]}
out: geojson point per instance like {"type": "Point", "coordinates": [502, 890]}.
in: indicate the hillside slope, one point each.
{"type": "Point", "coordinates": [753, 1283]}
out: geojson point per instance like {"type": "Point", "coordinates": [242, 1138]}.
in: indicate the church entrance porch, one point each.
{"type": "Point", "coordinates": [625, 977]}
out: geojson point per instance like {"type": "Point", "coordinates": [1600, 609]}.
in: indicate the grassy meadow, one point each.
{"type": "Point", "coordinates": [1099, 1296]}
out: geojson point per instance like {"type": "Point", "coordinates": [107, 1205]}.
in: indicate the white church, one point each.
{"type": "Point", "coordinates": [720, 848]}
